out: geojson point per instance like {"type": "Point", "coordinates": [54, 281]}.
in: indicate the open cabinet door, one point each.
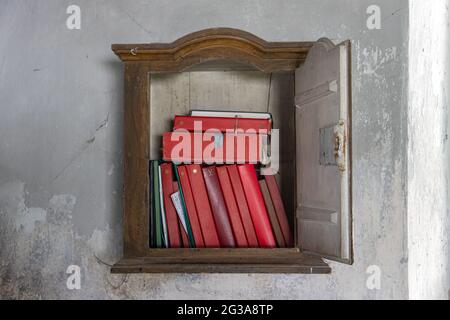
{"type": "Point", "coordinates": [322, 98]}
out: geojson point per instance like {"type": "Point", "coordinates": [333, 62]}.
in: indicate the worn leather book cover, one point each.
{"type": "Point", "coordinates": [272, 215]}
{"type": "Point", "coordinates": [205, 216]}
{"type": "Point", "coordinates": [192, 123]}
{"type": "Point", "coordinates": [257, 206]}
{"type": "Point", "coordinates": [233, 210]}
{"type": "Point", "coordinates": [173, 229]}
{"type": "Point", "coordinates": [275, 195]}
{"type": "Point", "coordinates": [190, 206]}
{"type": "Point", "coordinates": [219, 209]}
{"type": "Point", "coordinates": [243, 207]}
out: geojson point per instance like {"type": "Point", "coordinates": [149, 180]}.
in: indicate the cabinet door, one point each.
{"type": "Point", "coordinates": [323, 136]}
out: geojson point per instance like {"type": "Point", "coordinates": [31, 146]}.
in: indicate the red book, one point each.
{"type": "Point", "coordinates": [257, 206]}
{"type": "Point", "coordinates": [243, 207]}
{"type": "Point", "coordinates": [184, 237]}
{"type": "Point", "coordinates": [205, 216]}
{"type": "Point", "coordinates": [188, 147]}
{"type": "Point", "coordinates": [219, 208]}
{"type": "Point", "coordinates": [173, 229]}
{"type": "Point", "coordinates": [190, 206]}
{"type": "Point", "coordinates": [233, 211]}
{"type": "Point", "coordinates": [272, 215]}
{"type": "Point", "coordinates": [279, 209]}
{"type": "Point", "coordinates": [201, 124]}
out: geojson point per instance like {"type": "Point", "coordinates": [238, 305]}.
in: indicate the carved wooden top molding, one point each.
{"type": "Point", "coordinates": [216, 44]}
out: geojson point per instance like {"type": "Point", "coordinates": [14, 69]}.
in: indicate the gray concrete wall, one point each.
{"type": "Point", "coordinates": [61, 144]}
{"type": "Point", "coordinates": [428, 161]}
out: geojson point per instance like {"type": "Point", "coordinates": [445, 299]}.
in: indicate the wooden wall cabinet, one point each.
{"type": "Point", "coordinates": [305, 85]}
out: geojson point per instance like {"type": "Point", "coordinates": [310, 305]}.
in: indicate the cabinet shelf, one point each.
{"type": "Point", "coordinates": [222, 260]}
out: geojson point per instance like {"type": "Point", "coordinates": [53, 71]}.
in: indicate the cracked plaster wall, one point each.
{"type": "Point", "coordinates": [61, 144]}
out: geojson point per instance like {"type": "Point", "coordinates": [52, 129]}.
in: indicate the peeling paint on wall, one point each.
{"type": "Point", "coordinates": [372, 59]}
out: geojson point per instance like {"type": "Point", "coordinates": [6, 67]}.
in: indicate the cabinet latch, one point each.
{"type": "Point", "coordinates": [332, 145]}
{"type": "Point", "coordinates": [339, 144]}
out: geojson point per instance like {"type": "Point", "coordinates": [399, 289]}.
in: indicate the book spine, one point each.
{"type": "Point", "coordinates": [202, 206]}
{"type": "Point", "coordinates": [190, 206]}
{"type": "Point", "coordinates": [184, 236]}
{"type": "Point", "coordinates": [164, 235]}
{"type": "Point", "coordinates": [243, 207]}
{"type": "Point", "coordinates": [184, 209]}
{"type": "Point", "coordinates": [275, 195]}
{"type": "Point", "coordinates": [222, 124]}
{"type": "Point", "coordinates": [256, 205]}
{"type": "Point", "coordinates": [171, 214]}
{"type": "Point", "coordinates": [157, 206]}
{"type": "Point", "coordinates": [231, 114]}
{"type": "Point", "coordinates": [218, 206]}
{"type": "Point", "coordinates": [233, 211]}
{"type": "Point", "coordinates": [272, 215]}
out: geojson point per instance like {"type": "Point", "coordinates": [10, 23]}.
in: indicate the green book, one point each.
{"type": "Point", "coordinates": [157, 206]}
{"type": "Point", "coordinates": [183, 205]}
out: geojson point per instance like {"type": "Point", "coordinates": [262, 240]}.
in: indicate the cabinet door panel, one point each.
{"type": "Point", "coordinates": [322, 98]}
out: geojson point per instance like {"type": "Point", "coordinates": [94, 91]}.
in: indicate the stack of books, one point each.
{"type": "Point", "coordinates": [208, 204]}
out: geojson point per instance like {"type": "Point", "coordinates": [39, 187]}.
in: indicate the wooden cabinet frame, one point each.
{"type": "Point", "coordinates": [142, 59]}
